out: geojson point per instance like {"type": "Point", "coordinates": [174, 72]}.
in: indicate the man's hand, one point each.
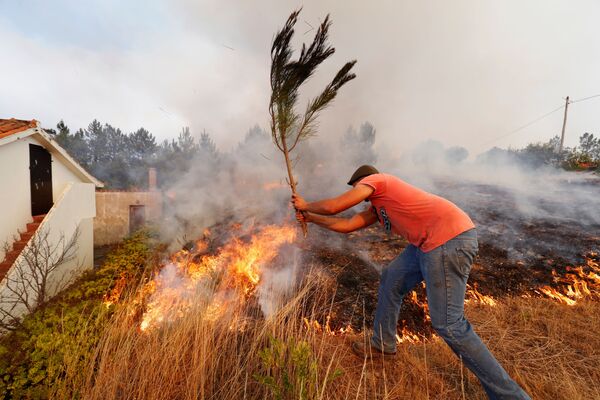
{"type": "Point", "coordinates": [302, 216]}
{"type": "Point", "coordinates": [299, 203]}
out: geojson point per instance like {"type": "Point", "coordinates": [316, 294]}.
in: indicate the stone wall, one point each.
{"type": "Point", "coordinates": [111, 224]}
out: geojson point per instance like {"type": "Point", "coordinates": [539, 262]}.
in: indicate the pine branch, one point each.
{"type": "Point", "coordinates": [287, 76]}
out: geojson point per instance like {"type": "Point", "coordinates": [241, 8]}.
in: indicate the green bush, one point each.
{"type": "Point", "coordinates": [291, 370]}
{"type": "Point", "coordinates": [63, 334]}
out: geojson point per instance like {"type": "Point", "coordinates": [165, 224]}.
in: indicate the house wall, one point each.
{"type": "Point", "coordinates": [16, 194]}
{"type": "Point", "coordinates": [111, 224]}
{"type": "Point", "coordinates": [72, 214]}
{"type": "Point", "coordinates": [73, 211]}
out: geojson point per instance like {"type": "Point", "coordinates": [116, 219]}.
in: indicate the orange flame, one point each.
{"type": "Point", "coordinates": [315, 326]}
{"type": "Point", "coordinates": [474, 295]}
{"type": "Point", "coordinates": [231, 274]}
{"type": "Point", "coordinates": [576, 285]}
{"type": "Point", "coordinates": [114, 295]}
{"type": "Point", "coordinates": [407, 337]}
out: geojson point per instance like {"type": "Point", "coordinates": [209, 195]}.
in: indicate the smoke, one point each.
{"type": "Point", "coordinates": [248, 186]}
{"type": "Point", "coordinates": [278, 284]}
{"type": "Point", "coordinates": [531, 212]}
{"type": "Point", "coordinates": [463, 72]}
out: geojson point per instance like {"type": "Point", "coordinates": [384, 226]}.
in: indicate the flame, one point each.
{"type": "Point", "coordinates": [423, 305]}
{"type": "Point", "coordinates": [475, 295]}
{"type": "Point", "coordinates": [407, 337]}
{"type": "Point", "coordinates": [231, 274]}
{"type": "Point", "coordinates": [556, 295]}
{"type": "Point", "coordinates": [576, 285]}
{"type": "Point", "coordinates": [315, 326]}
{"type": "Point", "coordinates": [114, 295]}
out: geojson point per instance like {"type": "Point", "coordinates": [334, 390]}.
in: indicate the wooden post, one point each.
{"type": "Point", "coordinates": [562, 136]}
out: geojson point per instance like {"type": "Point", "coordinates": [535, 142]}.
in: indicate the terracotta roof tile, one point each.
{"type": "Point", "coordinates": [11, 126]}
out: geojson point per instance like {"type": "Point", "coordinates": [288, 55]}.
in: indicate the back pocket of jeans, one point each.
{"type": "Point", "coordinates": [465, 255]}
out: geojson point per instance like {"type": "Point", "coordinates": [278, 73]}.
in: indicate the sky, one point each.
{"type": "Point", "coordinates": [464, 72]}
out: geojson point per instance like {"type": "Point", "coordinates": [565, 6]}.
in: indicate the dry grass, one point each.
{"type": "Point", "coordinates": [552, 350]}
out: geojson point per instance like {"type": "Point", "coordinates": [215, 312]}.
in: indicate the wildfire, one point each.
{"type": "Point", "coordinates": [575, 285]}
{"type": "Point", "coordinates": [407, 336]}
{"type": "Point", "coordinates": [423, 305]}
{"type": "Point", "coordinates": [314, 325]}
{"type": "Point", "coordinates": [232, 274]}
{"type": "Point", "coordinates": [474, 295]}
{"type": "Point", "coordinates": [114, 295]}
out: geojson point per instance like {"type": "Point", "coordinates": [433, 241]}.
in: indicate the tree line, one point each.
{"type": "Point", "coordinates": [121, 160]}
{"type": "Point", "coordinates": [585, 156]}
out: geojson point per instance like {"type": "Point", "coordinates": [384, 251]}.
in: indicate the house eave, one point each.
{"type": "Point", "coordinates": [56, 149]}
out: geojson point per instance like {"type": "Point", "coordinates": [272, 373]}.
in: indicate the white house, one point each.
{"type": "Point", "coordinates": [45, 195]}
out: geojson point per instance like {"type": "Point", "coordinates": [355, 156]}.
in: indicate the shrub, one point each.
{"type": "Point", "coordinates": [291, 370]}
{"type": "Point", "coordinates": [63, 334]}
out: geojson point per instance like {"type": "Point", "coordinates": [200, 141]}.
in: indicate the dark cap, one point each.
{"type": "Point", "coordinates": [361, 172]}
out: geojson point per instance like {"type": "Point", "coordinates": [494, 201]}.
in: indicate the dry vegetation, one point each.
{"type": "Point", "coordinates": [551, 349]}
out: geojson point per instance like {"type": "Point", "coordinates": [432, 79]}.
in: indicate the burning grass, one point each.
{"type": "Point", "coordinates": [550, 348]}
{"type": "Point", "coordinates": [212, 321]}
{"type": "Point", "coordinates": [212, 339]}
{"type": "Point", "coordinates": [225, 279]}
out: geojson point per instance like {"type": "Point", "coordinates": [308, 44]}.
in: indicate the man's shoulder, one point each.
{"type": "Point", "coordinates": [373, 179]}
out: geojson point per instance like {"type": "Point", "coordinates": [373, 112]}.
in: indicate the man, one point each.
{"type": "Point", "coordinates": [443, 244]}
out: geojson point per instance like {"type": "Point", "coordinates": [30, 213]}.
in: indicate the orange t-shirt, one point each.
{"type": "Point", "coordinates": [422, 218]}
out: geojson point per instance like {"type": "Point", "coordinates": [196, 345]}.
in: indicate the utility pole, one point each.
{"type": "Point", "coordinates": [562, 136]}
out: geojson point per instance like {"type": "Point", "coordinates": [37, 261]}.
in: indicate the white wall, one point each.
{"type": "Point", "coordinates": [73, 211]}
{"type": "Point", "coordinates": [15, 197]}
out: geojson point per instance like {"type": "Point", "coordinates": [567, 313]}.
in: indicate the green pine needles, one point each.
{"type": "Point", "coordinates": [287, 126]}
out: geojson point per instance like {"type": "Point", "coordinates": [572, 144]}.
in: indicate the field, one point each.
{"type": "Point", "coordinates": [250, 310]}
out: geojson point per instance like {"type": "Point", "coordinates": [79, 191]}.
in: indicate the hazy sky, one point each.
{"type": "Point", "coordinates": [463, 72]}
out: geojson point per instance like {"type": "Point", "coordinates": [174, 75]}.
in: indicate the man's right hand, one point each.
{"type": "Point", "coordinates": [302, 216]}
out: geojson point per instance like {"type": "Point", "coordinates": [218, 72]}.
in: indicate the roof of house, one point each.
{"type": "Point", "coordinates": [12, 130]}
{"type": "Point", "coordinates": [11, 126]}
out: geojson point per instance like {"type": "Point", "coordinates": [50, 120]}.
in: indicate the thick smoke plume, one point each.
{"type": "Point", "coordinates": [511, 202]}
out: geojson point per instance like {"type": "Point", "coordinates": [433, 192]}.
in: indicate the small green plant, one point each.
{"type": "Point", "coordinates": [291, 370]}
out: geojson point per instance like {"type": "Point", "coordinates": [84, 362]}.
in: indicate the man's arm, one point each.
{"type": "Point", "coordinates": [334, 205]}
{"type": "Point", "coordinates": [342, 225]}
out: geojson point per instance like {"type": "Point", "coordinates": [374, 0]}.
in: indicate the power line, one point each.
{"type": "Point", "coordinates": [584, 99]}
{"type": "Point", "coordinates": [524, 126]}
{"type": "Point", "coordinates": [538, 119]}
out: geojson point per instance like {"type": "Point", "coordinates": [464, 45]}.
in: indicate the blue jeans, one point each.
{"type": "Point", "coordinates": [445, 270]}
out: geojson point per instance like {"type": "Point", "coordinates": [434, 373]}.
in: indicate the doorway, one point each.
{"type": "Point", "coordinates": [137, 217]}
{"type": "Point", "coordinates": [40, 178]}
